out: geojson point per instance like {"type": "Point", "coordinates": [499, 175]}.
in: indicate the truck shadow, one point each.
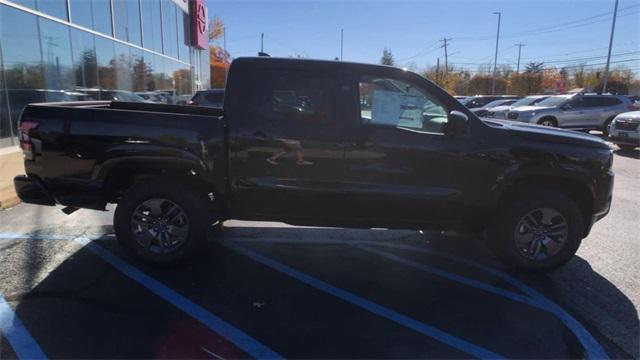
{"type": "Point", "coordinates": [85, 301]}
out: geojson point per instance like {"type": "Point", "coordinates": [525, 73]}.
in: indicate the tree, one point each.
{"type": "Point", "coordinates": [219, 58]}
{"type": "Point", "coordinates": [387, 57]}
{"type": "Point", "coordinates": [534, 67]}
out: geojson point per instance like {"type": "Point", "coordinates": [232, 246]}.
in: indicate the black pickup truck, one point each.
{"type": "Point", "coordinates": [321, 143]}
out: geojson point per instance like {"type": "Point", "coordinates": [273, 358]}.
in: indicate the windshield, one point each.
{"type": "Point", "coordinates": [553, 101]}
{"type": "Point", "coordinates": [499, 102]}
{"type": "Point", "coordinates": [530, 100]}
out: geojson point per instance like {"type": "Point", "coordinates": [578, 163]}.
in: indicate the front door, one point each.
{"type": "Point", "coordinates": [286, 158]}
{"type": "Point", "coordinates": [401, 168]}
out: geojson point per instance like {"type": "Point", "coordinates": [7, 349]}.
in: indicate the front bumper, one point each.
{"type": "Point", "coordinates": [602, 202]}
{"type": "Point", "coordinates": [31, 190]}
{"type": "Point", "coordinates": [630, 137]}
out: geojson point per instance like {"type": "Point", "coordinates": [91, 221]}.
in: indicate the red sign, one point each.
{"type": "Point", "coordinates": [199, 19]}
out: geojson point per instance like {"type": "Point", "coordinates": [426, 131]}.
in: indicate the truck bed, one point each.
{"type": "Point", "coordinates": [79, 147]}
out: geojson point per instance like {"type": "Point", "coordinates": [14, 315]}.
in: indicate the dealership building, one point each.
{"type": "Point", "coordinates": [65, 50]}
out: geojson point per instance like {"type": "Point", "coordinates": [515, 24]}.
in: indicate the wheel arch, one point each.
{"type": "Point", "coordinates": [576, 190]}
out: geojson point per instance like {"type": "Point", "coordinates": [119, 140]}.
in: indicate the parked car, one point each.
{"type": "Point", "coordinates": [624, 130]}
{"type": "Point", "coordinates": [210, 98]}
{"type": "Point", "coordinates": [112, 95]}
{"type": "Point", "coordinates": [174, 170]}
{"type": "Point", "coordinates": [482, 111]}
{"type": "Point", "coordinates": [500, 112]}
{"type": "Point", "coordinates": [481, 100]}
{"type": "Point", "coordinates": [152, 96]}
{"type": "Point", "coordinates": [578, 111]}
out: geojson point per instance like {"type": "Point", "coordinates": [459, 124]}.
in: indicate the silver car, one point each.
{"type": "Point", "coordinates": [625, 131]}
{"type": "Point", "coordinates": [578, 111]}
{"type": "Point", "coordinates": [500, 112]}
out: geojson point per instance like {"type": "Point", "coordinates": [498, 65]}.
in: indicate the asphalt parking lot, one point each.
{"type": "Point", "coordinates": [271, 290]}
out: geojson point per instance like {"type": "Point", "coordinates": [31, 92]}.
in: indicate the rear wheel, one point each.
{"type": "Point", "coordinates": [538, 230]}
{"type": "Point", "coordinates": [548, 121]}
{"type": "Point", "coordinates": [161, 221]}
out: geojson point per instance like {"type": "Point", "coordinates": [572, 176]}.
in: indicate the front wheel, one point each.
{"type": "Point", "coordinates": [160, 221]}
{"type": "Point", "coordinates": [538, 230]}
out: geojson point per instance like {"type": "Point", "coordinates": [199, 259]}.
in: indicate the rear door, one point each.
{"type": "Point", "coordinates": [595, 111]}
{"type": "Point", "coordinates": [286, 153]}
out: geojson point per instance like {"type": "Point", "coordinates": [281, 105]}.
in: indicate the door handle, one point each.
{"type": "Point", "coordinates": [259, 136]}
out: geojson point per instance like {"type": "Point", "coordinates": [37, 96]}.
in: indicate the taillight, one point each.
{"type": "Point", "coordinates": [25, 131]}
{"type": "Point", "coordinates": [633, 107]}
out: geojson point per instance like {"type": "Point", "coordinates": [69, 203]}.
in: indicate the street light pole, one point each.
{"type": "Point", "coordinates": [495, 59]}
{"type": "Point", "coordinates": [341, 42]}
{"type": "Point", "coordinates": [519, 51]}
{"type": "Point", "coordinates": [613, 28]}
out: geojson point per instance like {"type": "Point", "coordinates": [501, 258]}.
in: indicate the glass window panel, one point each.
{"type": "Point", "coordinates": [183, 35]}
{"type": "Point", "coordinates": [152, 24]}
{"type": "Point", "coordinates": [124, 68]}
{"type": "Point", "coordinates": [84, 59]}
{"type": "Point", "coordinates": [102, 16]}
{"type": "Point", "coordinates": [27, 3]}
{"type": "Point", "coordinates": [21, 65]}
{"type": "Point", "coordinates": [56, 54]}
{"type": "Point", "coordinates": [149, 71]}
{"type": "Point", "coordinates": [57, 8]}
{"type": "Point", "coordinates": [159, 76]}
{"type": "Point", "coordinates": [105, 55]}
{"type": "Point", "coordinates": [82, 13]}
{"type": "Point", "coordinates": [126, 15]}
{"type": "Point", "coordinates": [169, 28]}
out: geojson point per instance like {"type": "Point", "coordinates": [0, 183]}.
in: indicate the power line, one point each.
{"type": "Point", "coordinates": [552, 28]}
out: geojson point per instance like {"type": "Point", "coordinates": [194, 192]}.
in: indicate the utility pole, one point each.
{"type": "Point", "coordinates": [224, 39]}
{"type": "Point", "coordinates": [446, 56]}
{"type": "Point", "coordinates": [519, 51]}
{"type": "Point", "coordinates": [262, 42]}
{"type": "Point", "coordinates": [613, 28]}
{"type": "Point", "coordinates": [495, 59]}
{"type": "Point", "coordinates": [437, 70]}
{"type": "Point", "coordinates": [341, 42]}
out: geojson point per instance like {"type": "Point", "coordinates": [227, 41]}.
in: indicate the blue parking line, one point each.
{"type": "Point", "coordinates": [17, 334]}
{"type": "Point", "coordinates": [370, 306]}
{"type": "Point", "coordinates": [245, 342]}
{"type": "Point", "coordinates": [591, 345]}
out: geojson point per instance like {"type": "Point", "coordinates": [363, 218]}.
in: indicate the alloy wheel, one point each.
{"type": "Point", "coordinates": [160, 225]}
{"type": "Point", "coordinates": [541, 234]}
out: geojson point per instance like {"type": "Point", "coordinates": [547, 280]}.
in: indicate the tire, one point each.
{"type": "Point", "coordinates": [606, 126]}
{"type": "Point", "coordinates": [626, 147]}
{"type": "Point", "coordinates": [548, 121]}
{"type": "Point", "coordinates": [162, 221]}
{"type": "Point", "coordinates": [520, 215]}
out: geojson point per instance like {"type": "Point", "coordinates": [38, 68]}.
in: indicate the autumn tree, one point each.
{"type": "Point", "coordinates": [219, 58]}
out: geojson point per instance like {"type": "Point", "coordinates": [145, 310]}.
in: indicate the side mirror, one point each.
{"type": "Point", "coordinates": [456, 123]}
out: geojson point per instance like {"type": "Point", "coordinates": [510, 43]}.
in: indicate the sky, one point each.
{"type": "Point", "coordinates": [557, 32]}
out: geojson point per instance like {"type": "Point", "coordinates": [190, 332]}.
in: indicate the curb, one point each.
{"type": "Point", "coordinates": [8, 199]}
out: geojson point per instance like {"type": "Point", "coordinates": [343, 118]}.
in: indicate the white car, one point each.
{"type": "Point", "coordinates": [624, 130]}
{"type": "Point", "coordinates": [500, 112]}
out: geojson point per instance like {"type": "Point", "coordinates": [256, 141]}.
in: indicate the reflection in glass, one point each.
{"type": "Point", "coordinates": [92, 14]}
{"type": "Point", "coordinates": [126, 15]}
{"type": "Point", "coordinates": [57, 8]}
{"type": "Point", "coordinates": [183, 35]}
{"type": "Point", "coordinates": [56, 53]}
{"type": "Point", "coordinates": [169, 28]}
{"type": "Point", "coordinates": [124, 67]}
{"type": "Point", "coordinates": [105, 55]}
{"type": "Point", "coordinates": [151, 25]}
{"type": "Point", "coordinates": [84, 59]}
{"type": "Point", "coordinates": [21, 66]}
